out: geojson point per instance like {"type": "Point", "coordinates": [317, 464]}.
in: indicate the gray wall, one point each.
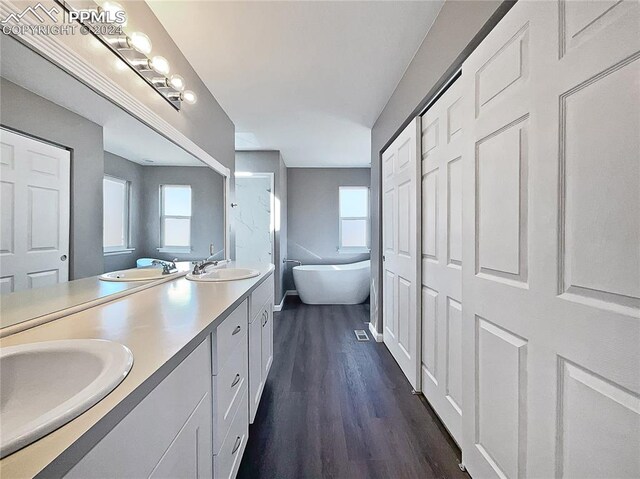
{"type": "Point", "coordinates": [459, 27]}
{"type": "Point", "coordinates": [207, 221]}
{"type": "Point", "coordinates": [124, 169]}
{"type": "Point", "coordinates": [29, 113]}
{"type": "Point", "coordinates": [207, 196]}
{"type": "Point", "coordinates": [271, 162]}
{"type": "Point", "coordinates": [313, 226]}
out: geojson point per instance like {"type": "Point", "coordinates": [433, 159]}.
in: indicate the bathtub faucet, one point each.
{"type": "Point", "coordinates": [284, 261]}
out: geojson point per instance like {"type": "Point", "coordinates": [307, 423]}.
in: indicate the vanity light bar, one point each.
{"type": "Point", "coordinates": [134, 49]}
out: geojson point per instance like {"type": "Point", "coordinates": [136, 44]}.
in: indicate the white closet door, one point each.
{"type": "Point", "coordinates": [551, 319]}
{"type": "Point", "coordinates": [401, 251]}
{"type": "Point", "coordinates": [34, 244]}
{"type": "Point", "coordinates": [442, 258]}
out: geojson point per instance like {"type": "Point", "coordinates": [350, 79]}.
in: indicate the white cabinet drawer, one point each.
{"type": "Point", "coordinates": [229, 390]}
{"type": "Point", "coordinates": [227, 461]}
{"type": "Point", "coordinates": [229, 336]}
{"type": "Point", "coordinates": [260, 295]}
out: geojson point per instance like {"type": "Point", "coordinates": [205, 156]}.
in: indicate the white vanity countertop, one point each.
{"type": "Point", "coordinates": [161, 325]}
{"type": "Point", "coordinates": [25, 308]}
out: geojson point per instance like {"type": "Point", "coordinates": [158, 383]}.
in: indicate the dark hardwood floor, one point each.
{"type": "Point", "coordinates": [334, 407]}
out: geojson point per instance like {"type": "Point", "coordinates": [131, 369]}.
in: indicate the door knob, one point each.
{"type": "Point", "coordinates": [63, 257]}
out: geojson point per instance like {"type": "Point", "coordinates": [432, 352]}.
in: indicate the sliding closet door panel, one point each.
{"type": "Point", "coordinates": [551, 228]}
{"type": "Point", "coordinates": [401, 210]}
{"type": "Point", "coordinates": [442, 257]}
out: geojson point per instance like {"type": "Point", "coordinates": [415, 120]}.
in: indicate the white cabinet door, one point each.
{"type": "Point", "coordinates": [260, 354]}
{"type": "Point", "coordinates": [256, 382]}
{"type": "Point", "coordinates": [267, 341]}
{"type": "Point", "coordinates": [551, 318]}
{"type": "Point", "coordinates": [189, 455]}
{"type": "Point", "coordinates": [442, 257]}
{"type": "Point", "coordinates": [401, 251]}
{"type": "Point", "coordinates": [168, 433]}
{"type": "Point", "coordinates": [34, 233]}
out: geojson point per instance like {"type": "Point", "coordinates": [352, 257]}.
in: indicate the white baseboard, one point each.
{"type": "Point", "coordinates": [374, 333]}
{"type": "Point", "coordinates": [290, 292]}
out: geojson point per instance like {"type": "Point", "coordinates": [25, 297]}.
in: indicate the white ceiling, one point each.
{"type": "Point", "coordinates": [123, 135]}
{"type": "Point", "coordinates": [306, 78]}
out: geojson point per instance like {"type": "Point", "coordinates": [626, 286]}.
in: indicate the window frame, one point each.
{"type": "Point", "coordinates": [367, 218]}
{"type": "Point", "coordinates": [126, 247]}
{"type": "Point", "coordinates": [164, 248]}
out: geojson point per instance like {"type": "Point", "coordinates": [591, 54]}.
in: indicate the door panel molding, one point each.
{"type": "Point", "coordinates": [36, 211]}
{"type": "Point", "coordinates": [550, 309]}
{"type": "Point", "coordinates": [442, 257]}
{"type": "Point", "coordinates": [401, 245]}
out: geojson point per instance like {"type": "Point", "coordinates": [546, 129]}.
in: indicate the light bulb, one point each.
{"type": "Point", "coordinates": [160, 65]}
{"type": "Point", "coordinates": [113, 16]}
{"type": "Point", "coordinates": [176, 82]}
{"type": "Point", "coordinates": [189, 97]}
{"type": "Point", "coordinates": [140, 42]}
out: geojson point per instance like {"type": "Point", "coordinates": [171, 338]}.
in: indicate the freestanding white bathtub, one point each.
{"type": "Point", "coordinates": [333, 284]}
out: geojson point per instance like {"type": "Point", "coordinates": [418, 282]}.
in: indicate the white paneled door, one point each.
{"type": "Point", "coordinates": [34, 239]}
{"type": "Point", "coordinates": [401, 251]}
{"type": "Point", "coordinates": [551, 227]}
{"type": "Point", "coordinates": [442, 257]}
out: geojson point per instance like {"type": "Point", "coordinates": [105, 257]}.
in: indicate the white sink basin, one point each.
{"type": "Point", "coordinates": [224, 274]}
{"type": "Point", "coordinates": [134, 274]}
{"type": "Point", "coordinates": [45, 385]}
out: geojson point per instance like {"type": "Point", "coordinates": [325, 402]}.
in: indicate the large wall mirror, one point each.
{"type": "Point", "coordinates": [93, 202]}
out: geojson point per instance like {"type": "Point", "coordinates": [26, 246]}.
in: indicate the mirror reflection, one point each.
{"type": "Point", "coordinates": [93, 202]}
{"type": "Point", "coordinates": [159, 213]}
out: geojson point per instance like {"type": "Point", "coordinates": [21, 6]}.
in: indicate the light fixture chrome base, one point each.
{"type": "Point", "coordinates": [121, 45]}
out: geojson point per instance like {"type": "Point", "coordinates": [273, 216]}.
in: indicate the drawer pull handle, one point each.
{"type": "Point", "coordinates": [236, 446]}
{"type": "Point", "coordinates": [236, 331]}
{"type": "Point", "coordinates": [266, 318]}
{"type": "Point", "coordinates": [236, 380]}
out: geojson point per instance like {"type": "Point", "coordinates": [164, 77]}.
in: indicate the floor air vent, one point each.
{"type": "Point", "coordinates": [361, 335]}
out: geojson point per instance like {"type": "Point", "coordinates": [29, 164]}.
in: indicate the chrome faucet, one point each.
{"type": "Point", "coordinates": [199, 267]}
{"type": "Point", "coordinates": [284, 261]}
{"type": "Point", "coordinates": [168, 267]}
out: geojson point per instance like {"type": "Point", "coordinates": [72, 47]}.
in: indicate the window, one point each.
{"type": "Point", "coordinates": [115, 217]}
{"type": "Point", "coordinates": [354, 219]}
{"type": "Point", "coordinates": [175, 218]}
